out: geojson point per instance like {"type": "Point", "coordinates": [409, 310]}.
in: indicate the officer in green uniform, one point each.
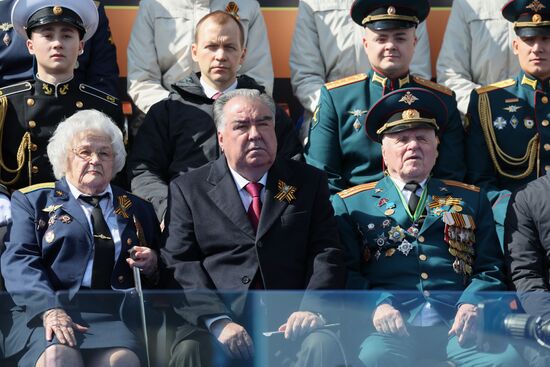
{"type": "Point", "coordinates": [508, 138]}
{"type": "Point", "coordinates": [337, 141]}
{"type": "Point", "coordinates": [423, 235]}
{"type": "Point", "coordinates": [30, 111]}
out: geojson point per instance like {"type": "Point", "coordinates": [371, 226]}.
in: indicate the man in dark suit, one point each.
{"type": "Point", "coordinates": [248, 221]}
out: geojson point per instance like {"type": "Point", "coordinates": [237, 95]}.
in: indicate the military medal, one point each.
{"type": "Point", "coordinates": [381, 240]}
{"type": "Point", "coordinates": [49, 236]}
{"type": "Point", "coordinates": [385, 223]}
{"type": "Point", "coordinates": [52, 219]}
{"type": "Point", "coordinates": [6, 39]}
{"type": "Point", "coordinates": [528, 123]}
{"type": "Point", "coordinates": [512, 108]}
{"type": "Point", "coordinates": [396, 234]}
{"type": "Point", "coordinates": [514, 121]}
{"type": "Point", "coordinates": [390, 252]}
{"type": "Point", "coordinates": [6, 27]}
{"type": "Point", "coordinates": [370, 226]}
{"type": "Point", "coordinates": [382, 201]}
{"type": "Point", "coordinates": [51, 208]}
{"type": "Point", "coordinates": [389, 211]}
{"type": "Point", "coordinates": [377, 190]}
{"type": "Point", "coordinates": [405, 247]}
{"type": "Point", "coordinates": [413, 230]}
{"type": "Point", "coordinates": [65, 219]}
{"type": "Point", "coordinates": [456, 208]}
{"type": "Point", "coordinates": [499, 123]}
{"type": "Point", "coordinates": [357, 114]}
{"type": "Point", "coordinates": [459, 235]}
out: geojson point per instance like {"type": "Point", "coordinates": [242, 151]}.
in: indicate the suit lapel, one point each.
{"type": "Point", "coordinates": [272, 207]}
{"type": "Point", "coordinates": [225, 196]}
{"type": "Point", "coordinates": [70, 205]}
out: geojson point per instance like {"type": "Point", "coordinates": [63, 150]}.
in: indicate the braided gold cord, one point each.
{"type": "Point", "coordinates": [531, 152]}
{"type": "Point", "coordinates": [25, 144]}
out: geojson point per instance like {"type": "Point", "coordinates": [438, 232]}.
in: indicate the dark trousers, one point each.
{"type": "Point", "coordinates": [319, 349]}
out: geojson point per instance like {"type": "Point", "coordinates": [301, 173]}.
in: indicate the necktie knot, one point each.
{"type": "Point", "coordinates": [216, 95]}
{"type": "Point", "coordinates": [254, 189]}
{"type": "Point", "coordinates": [412, 187]}
{"type": "Point", "coordinates": [94, 200]}
{"type": "Point", "coordinates": [414, 199]}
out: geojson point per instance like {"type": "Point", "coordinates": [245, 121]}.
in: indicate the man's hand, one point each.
{"type": "Point", "coordinates": [387, 320]}
{"type": "Point", "coordinates": [465, 324]}
{"type": "Point", "coordinates": [57, 322]}
{"type": "Point", "coordinates": [145, 259]}
{"type": "Point", "coordinates": [238, 344]}
{"type": "Point", "coordinates": [301, 323]}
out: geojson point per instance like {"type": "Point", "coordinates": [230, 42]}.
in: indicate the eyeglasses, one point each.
{"type": "Point", "coordinates": [86, 154]}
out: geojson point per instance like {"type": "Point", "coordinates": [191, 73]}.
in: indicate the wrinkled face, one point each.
{"type": "Point", "coordinates": [218, 52]}
{"type": "Point", "coordinates": [390, 51]}
{"type": "Point", "coordinates": [56, 47]}
{"type": "Point", "coordinates": [90, 162]}
{"type": "Point", "coordinates": [410, 155]}
{"type": "Point", "coordinates": [248, 136]}
{"type": "Point", "coordinates": [533, 55]}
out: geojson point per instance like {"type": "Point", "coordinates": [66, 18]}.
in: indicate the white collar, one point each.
{"type": "Point", "coordinates": [76, 192]}
{"type": "Point", "coordinates": [209, 91]}
{"type": "Point", "coordinates": [401, 184]}
{"type": "Point", "coordinates": [241, 182]}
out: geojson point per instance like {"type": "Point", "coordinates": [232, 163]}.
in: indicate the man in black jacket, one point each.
{"type": "Point", "coordinates": [178, 133]}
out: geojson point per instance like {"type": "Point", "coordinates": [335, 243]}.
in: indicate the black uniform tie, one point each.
{"type": "Point", "coordinates": [104, 254]}
{"type": "Point", "coordinates": [414, 199]}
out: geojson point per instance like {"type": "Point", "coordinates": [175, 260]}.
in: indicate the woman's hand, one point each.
{"type": "Point", "coordinates": [57, 323]}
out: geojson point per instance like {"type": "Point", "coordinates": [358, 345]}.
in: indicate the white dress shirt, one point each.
{"type": "Point", "coordinates": [209, 91]}
{"type": "Point", "coordinates": [108, 211]}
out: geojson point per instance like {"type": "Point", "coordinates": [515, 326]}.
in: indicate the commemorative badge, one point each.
{"type": "Point", "coordinates": [396, 234]}
{"type": "Point", "coordinates": [357, 113]}
{"type": "Point", "coordinates": [286, 192]}
{"type": "Point", "coordinates": [405, 247]}
{"type": "Point", "coordinates": [459, 234]}
{"type": "Point", "coordinates": [123, 205]}
{"type": "Point", "coordinates": [49, 236]}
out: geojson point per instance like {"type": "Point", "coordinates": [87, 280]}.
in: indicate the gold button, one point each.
{"type": "Point", "coordinates": [421, 239]}
{"type": "Point", "coordinates": [32, 124]}
{"type": "Point", "coordinates": [34, 147]}
{"type": "Point", "coordinates": [545, 123]}
{"type": "Point", "coordinates": [544, 99]}
{"type": "Point", "coordinates": [423, 257]}
{"type": "Point", "coordinates": [547, 147]}
{"type": "Point", "coordinates": [79, 104]}
{"type": "Point", "coordinates": [34, 169]}
{"type": "Point", "coordinates": [547, 168]}
{"type": "Point", "coordinates": [426, 293]}
{"type": "Point", "coordinates": [121, 278]}
{"type": "Point", "coordinates": [30, 102]}
{"type": "Point", "coordinates": [424, 276]}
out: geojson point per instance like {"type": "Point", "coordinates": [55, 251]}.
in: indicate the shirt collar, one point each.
{"type": "Point", "coordinates": [76, 192]}
{"type": "Point", "coordinates": [209, 91]}
{"type": "Point", "coordinates": [401, 184]}
{"type": "Point", "coordinates": [241, 182]}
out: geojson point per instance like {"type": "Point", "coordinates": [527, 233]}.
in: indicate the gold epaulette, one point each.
{"type": "Point", "coordinates": [345, 81]}
{"type": "Point", "coordinates": [429, 84]}
{"type": "Point", "coordinates": [15, 88]}
{"type": "Point", "coordinates": [98, 93]}
{"type": "Point", "coordinates": [44, 185]}
{"type": "Point", "coordinates": [497, 85]}
{"type": "Point", "coordinates": [356, 189]}
{"type": "Point", "coordinates": [461, 184]}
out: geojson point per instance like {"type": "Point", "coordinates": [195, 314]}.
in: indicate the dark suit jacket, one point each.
{"type": "Point", "coordinates": [211, 245]}
{"type": "Point", "coordinates": [45, 256]}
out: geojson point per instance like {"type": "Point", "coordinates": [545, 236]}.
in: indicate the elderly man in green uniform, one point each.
{"type": "Point", "coordinates": [336, 141]}
{"type": "Point", "coordinates": [416, 233]}
{"type": "Point", "coordinates": [508, 139]}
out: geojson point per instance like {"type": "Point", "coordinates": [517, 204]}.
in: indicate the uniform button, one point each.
{"type": "Point", "coordinates": [423, 257]}
{"type": "Point", "coordinates": [260, 244]}
{"type": "Point", "coordinates": [129, 241]}
{"type": "Point", "coordinates": [424, 276]}
{"type": "Point", "coordinates": [34, 169]}
{"type": "Point", "coordinates": [34, 147]}
{"type": "Point", "coordinates": [426, 293]}
{"type": "Point", "coordinates": [32, 124]}
{"type": "Point", "coordinates": [546, 147]}
{"type": "Point", "coordinates": [30, 102]}
{"type": "Point", "coordinates": [245, 280]}
{"type": "Point", "coordinates": [547, 168]}
{"type": "Point", "coordinates": [79, 104]}
{"type": "Point", "coordinates": [545, 123]}
{"type": "Point", "coordinates": [544, 99]}
{"type": "Point", "coordinates": [121, 278]}
{"type": "Point", "coordinates": [421, 239]}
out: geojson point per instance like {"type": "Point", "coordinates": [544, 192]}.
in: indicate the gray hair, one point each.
{"type": "Point", "coordinates": [219, 104]}
{"type": "Point", "coordinates": [82, 121]}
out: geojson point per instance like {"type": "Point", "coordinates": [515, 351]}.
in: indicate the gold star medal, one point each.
{"type": "Point", "coordinates": [123, 204]}
{"type": "Point", "coordinates": [286, 192]}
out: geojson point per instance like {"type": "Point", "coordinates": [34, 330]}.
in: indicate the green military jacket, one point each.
{"type": "Point", "coordinates": [338, 143]}
{"type": "Point", "coordinates": [452, 247]}
{"type": "Point", "coordinates": [508, 138]}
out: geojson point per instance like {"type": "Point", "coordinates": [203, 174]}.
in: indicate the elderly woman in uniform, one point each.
{"type": "Point", "coordinates": [69, 238]}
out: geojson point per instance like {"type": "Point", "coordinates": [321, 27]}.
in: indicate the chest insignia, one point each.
{"type": "Point", "coordinates": [396, 234]}
{"type": "Point", "coordinates": [528, 123]}
{"type": "Point", "coordinates": [405, 247]}
{"type": "Point", "coordinates": [512, 108]}
{"type": "Point", "coordinates": [286, 192]}
{"type": "Point", "coordinates": [514, 121]}
{"type": "Point", "coordinates": [357, 113]}
{"type": "Point", "coordinates": [500, 123]}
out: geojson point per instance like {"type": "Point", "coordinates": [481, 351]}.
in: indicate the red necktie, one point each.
{"type": "Point", "coordinates": [255, 208]}
{"type": "Point", "coordinates": [216, 95]}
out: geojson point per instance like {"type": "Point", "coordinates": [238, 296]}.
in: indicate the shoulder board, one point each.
{"type": "Point", "coordinates": [429, 84]}
{"type": "Point", "coordinates": [45, 185]}
{"type": "Point", "coordinates": [98, 93]}
{"type": "Point", "coordinates": [461, 184]}
{"type": "Point", "coordinates": [15, 88]}
{"type": "Point", "coordinates": [497, 85]}
{"type": "Point", "coordinates": [357, 189]}
{"type": "Point", "coordinates": [349, 80]}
